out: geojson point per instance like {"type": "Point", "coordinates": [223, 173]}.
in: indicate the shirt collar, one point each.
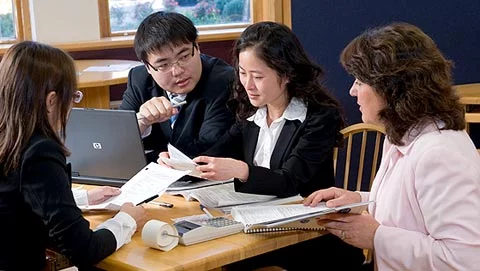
{"type": "Point", "coordinates": [414, 133]}
{"type": "Point", "coordinates": [296, 110]}
{"type": "Point", "coordinates": [179, 97]}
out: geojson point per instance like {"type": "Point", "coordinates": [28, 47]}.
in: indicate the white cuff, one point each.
{"type": "Point", "coordinates": [80, 196]}
{"type": "Point", "coordinates": [147, 132]}
{"type": "Point", "coordinates": [123, 226]}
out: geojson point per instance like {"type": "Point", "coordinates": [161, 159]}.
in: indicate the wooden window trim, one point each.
{"type": "Point", "coordinates": [262, 10]}
{"type": "Point", "coordinates": [21, 21]}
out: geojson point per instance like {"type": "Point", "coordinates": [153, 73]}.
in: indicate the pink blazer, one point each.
{"type": "Point", "coordinates": [427, 200]}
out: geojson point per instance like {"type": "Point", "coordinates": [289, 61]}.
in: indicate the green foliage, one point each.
{"type": "Point", "coordinates": [233, 11]}
{"type": "Point", "coordinates": [187, 3]}
{"type": "Point", "coordinates": [123, 19]}
{"type": "Point", "coordinates": [205, 12]}
{"type": "Point", "coordinates": [219, 4]}
{"type": "Point", "coordinates": [170, 5]}
{"type": "Point", "coordinates": [7, 29]}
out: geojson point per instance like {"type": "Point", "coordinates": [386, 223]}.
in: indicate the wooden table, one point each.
{"type": "Point", "coordinates": [95, 85]}
{"type": "Point", "coordinates": [202, 256]}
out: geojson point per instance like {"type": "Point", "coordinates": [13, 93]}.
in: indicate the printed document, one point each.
{"type": "Point", "coordinates": [149, 182]}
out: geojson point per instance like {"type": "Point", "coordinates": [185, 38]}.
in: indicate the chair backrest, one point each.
{"type": "Point", "coordinates": [361, 149]}
{"type": "Point", "coordinates": [470, 97]}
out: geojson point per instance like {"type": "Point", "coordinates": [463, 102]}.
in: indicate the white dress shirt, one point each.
{"type": "Point", "coordinates": [122, 225]}
{"type": "Point", "coordinates": [268, 136]}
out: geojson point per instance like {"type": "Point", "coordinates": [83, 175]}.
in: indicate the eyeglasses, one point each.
{"type": "Point", "coordinates": [181, 61]}
{"type": "Point", "coordinates": [77, 96]}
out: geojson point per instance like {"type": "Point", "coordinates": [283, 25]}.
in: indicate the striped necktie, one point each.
{"type": "Point", "coordinates": [175, 99]}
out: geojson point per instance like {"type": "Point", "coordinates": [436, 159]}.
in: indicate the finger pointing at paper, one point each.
{"type": "Point", "coordinates": [214, 168]}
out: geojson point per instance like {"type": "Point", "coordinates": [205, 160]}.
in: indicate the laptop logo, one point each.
{"type": "Point", "coordinates": [97, 146]}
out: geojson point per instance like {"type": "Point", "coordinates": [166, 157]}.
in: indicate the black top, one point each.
{"type": "Point", "coordinates": [301, 162]}
{"type": "Point", "coordinates": [204, 118]}
{"type": "Point", "coordinates": [37, 210]}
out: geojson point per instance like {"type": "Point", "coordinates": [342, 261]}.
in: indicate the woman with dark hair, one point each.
{"type": "Point", "coordinates": [282, 143]}
{"type": "Point", "coordinates": [287, 123]}
{"type": "Point", "coordinates": [426, 194]}
{"type": "Point", "coordinates": [37, 208]}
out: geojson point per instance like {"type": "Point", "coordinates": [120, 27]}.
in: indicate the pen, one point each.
{"type": "Point", "coordinates": [204, 209]}
{"type": "Point", "coordinates": [162, 204]}
{"type": "Point", "coordinates": [148, 200]}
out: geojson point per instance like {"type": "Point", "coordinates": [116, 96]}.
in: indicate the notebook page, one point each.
{"type": "Point", "coordinates": [260, 214]}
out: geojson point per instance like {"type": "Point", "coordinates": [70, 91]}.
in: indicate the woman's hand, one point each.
{"type": "Point", "coordinates": [217, 169]}
{"type": "Point", "coordinates": [138, 213]}
{"type": "Point", "coordinates": [165, 155]}
{"type": "Point", "coordinates": [334, 197]}
{"type": "Point", "coordinates": [355, 229]}
{"type": "Point", "coordinates": [101, 194]}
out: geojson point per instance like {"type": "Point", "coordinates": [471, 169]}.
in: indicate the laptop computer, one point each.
{"type": "Point", "coordinates": [106, 146]}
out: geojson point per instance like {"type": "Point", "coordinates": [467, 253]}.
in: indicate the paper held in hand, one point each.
{"type": "Point", "coordinates": [288, 217]}
{"type": "Point", "coordinates": [152, 180]}
{"type": "Point", "coordinates": [178, 160]}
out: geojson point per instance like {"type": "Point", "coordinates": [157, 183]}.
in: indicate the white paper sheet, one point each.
{"type": "Point", "coordinates": [152, 180]}
{"type": "Point", "coordinates": [178, 160]}
{"type": "Point", "coordinates": [109, 68]}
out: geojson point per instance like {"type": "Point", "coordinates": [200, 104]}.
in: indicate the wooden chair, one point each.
{"type": "Point", "coordinates": [358, 138]}
{"type": "Point", "coordinates": [470, 97]}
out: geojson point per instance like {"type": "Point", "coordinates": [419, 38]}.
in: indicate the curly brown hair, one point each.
{"type": "Point", "coordinates": [405, 67]}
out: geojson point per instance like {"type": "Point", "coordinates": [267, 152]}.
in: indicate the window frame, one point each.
{"type": "Point", "coordinates": [260, 10]}
{"type": "Point", "coordinates": [21, 17]}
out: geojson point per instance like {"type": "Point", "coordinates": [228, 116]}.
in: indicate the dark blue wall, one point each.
{"type": "Point", "coordinates": [326, 26]}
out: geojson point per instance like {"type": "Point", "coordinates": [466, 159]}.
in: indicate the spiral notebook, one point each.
{"type": "Point", "coordinates": [290, 217]}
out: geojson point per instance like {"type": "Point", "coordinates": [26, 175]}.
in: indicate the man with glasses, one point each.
{"type": "Point", "coordinates": [180, 94]}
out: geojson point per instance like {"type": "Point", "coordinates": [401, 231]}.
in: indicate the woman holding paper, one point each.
{"type": "Point", "coordinates": [426, 214]}
{"type": "Point", "coordinates": [37, 208]}
{"type": "Point", "coordinates": [287, 123]}
{"type": "Point", "coordinates": [282, 144]}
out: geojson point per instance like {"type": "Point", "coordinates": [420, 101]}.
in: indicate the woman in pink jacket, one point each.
{"type": "Point", "coordinates": [426, 210]}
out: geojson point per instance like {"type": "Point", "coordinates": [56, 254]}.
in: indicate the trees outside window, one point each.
{"type": "Point", "coordinates": [126, 15]}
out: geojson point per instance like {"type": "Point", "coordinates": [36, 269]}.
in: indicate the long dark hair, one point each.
{"type": "Point", "coordinates": [405, 67]}
{"type": "Point", "coordinates": [277, 46]}
{"type": "Point", "coordinates": [29, 71]}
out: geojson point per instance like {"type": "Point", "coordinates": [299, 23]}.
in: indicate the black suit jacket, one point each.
{"type": "Point", "coordinates": [201, 122]}
{"type": "Point", "coordinates": [301, 162]}
{"type": "Point", "coordinates": [37, 209]}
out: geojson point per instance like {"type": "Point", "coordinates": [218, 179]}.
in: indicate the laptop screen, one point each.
{"type": "Point", "coordinates": [106, 146]}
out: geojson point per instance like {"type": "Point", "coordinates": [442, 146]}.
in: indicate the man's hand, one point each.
{"type": "Point", "coordinates": [101, 194]}
{"type": "Point", "coordinates": [157, 109]}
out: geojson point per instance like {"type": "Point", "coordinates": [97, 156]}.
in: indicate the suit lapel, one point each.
{"type": "Point", "coordinates": [250, 143]}
{"type": "Point", "coordinates": [283, 143]}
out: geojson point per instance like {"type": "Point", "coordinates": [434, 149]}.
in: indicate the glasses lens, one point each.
{"type": "Point", "coordinates": [77, 96]}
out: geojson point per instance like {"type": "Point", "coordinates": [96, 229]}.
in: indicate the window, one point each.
{"type": "Point", "coordinates": [122, 17]}
{"type": "Point", "coordinates": [11, 21]}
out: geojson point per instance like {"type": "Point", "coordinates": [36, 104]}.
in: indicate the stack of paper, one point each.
{"type": "Point", "coordinates": [224, 195]}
